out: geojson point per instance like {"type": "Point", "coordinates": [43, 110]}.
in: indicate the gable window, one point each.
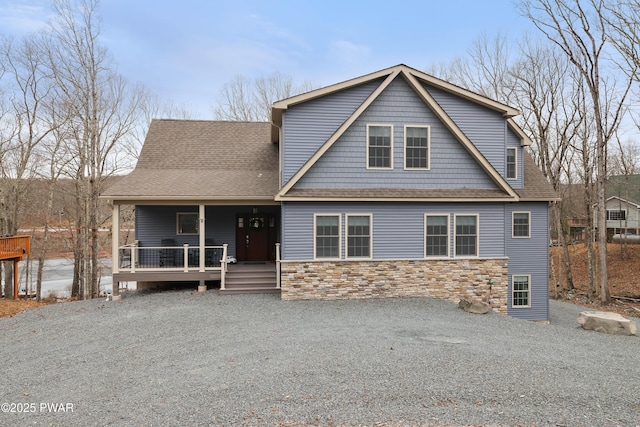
{"type": "Point", "coordinates": [358, 236]}
{"type": "Point", "coordinates": [616, 215]}
{"type": "Point", "coordinates": [520, 222]}
{"type": "Point", "coordinates": [436, 242]}
{"type": "Point", "coordinates": [416, 147]}
{"type": "Point", "coordinates": [512, 163]}
{"type": "Point", "coordinates": [521, 291]}
{"type": "Point", "coordinates": [187, 223]}
{"type": "Point", "coordinates": [466, 235]}
{"type": "Point", "coordinates": [379, 147]}
{"type": "Point", "coordinates": [327, 236]}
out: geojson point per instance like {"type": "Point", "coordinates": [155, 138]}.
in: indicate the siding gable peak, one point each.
{"type": "Point", "coordinates": [412, 78]}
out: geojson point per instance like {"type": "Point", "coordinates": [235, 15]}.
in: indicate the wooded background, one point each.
{"type": "Point", "coordinates": [69, 121]}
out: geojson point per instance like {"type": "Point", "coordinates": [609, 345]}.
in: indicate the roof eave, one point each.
{"type": "Point", "coordinates": [396, 199]}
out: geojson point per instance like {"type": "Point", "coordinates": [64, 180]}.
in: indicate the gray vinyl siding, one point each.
{"type": "Point", "coordinates": [345, 163]}
{"type": "Point", "coordinates": [513, 140]}
{"type": "Point", "coordinates": [305, 127]}
{"type": "Point", "coordinates": [154, 223]}
{"type": "Point", "coordinates": [529, 256]}
{"type": "Point", "coordinates": [398, 228]}
{"type": "Point", "coordinates": [486, 129]}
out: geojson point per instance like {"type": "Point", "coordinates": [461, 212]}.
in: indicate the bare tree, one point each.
{"type": "Point", "coordinates": [244, 100]}
{"type": "Point", "coordinates": [579, 29]}
{"type": "Point", "coordinates": [103, 109]}
{"type": "Point", "coordinates": [31, 94]}
{"type": "Point", "coordinates": [544, 88]}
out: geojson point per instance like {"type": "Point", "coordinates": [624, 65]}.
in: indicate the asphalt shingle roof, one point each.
{"type": "Point", "coordinates": [536, 186]}
{"type": "Point", "coordinates": [202, 159]}
{"type": "Point", "coordinates": [216, 160]}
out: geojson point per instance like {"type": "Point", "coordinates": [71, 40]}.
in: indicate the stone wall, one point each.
{"type": "Point", "coordinates": [485, 280]}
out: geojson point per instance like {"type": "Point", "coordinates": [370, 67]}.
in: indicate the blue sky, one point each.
{"type": "Point", "coordinates": [186, 50]}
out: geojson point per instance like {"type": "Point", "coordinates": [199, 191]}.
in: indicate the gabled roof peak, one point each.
{"type": "Point", "coordinates": [401, 69]}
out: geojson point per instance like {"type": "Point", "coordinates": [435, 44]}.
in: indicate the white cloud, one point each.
{"type": "Point", "coordinates": [20, 18]}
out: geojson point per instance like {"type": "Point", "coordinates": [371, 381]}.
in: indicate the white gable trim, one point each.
{"type": "Point", "coordinates": [337, 134]}
{"type": "Point", "coordinates": [410, 75]}
{"type": "Point", "coordinates": [525, 141]}
{"type": "Point", "coordinates": [457, 132]}
{"type": "Point", "coordinates": [623, 201]}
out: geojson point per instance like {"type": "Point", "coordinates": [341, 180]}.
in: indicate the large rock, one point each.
{"type": "Point", "coordinates": [609, 323]}
{"type": "Point", "coordinates": [475, 307]}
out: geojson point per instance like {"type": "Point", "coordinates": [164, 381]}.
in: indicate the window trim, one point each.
{"type": "Point", "coordinates": [428, 128]}
{"type": "Point", "coordinates": [448, 254]}
{"type": "Point", "coordinates": [178, 229]}
{"type": "Point", "coordinates": [513, 225]}
{"type": "Point", "coordinates": [455, 235]}
{"type": "Point", "coordinates": [513, 291]}
{"type": "Point", "coordinates": [346, 240]}
{"type": "Point", "coordinates": [315, 235]}
{"type": "Point", "coordinates": [515, 163]}
{"type": "Point", "coordinates": [369, 125]}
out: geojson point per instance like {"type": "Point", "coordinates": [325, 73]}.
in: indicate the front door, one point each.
{"type": "Point", "coordinates": [253, 237]}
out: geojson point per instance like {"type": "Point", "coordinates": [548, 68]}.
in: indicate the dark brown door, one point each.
{"type": "Point", "coordinates": [252, 237]}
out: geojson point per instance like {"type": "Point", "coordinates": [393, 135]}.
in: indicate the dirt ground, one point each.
{"type": "Point", "coordinates": [10, 307]}
{"type": "Point", "coordinates": [624, 278]}
{"type": "Point", "coordinates": [624, 281]}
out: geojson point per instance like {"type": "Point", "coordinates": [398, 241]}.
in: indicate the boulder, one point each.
{"type": "Point", "coordinates": [609, 323]}
{"type": "Point", "coordinates": [475, 307]}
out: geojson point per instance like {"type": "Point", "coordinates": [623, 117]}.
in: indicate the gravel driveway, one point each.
{"type": "Point", "coordinates": [183, 358]}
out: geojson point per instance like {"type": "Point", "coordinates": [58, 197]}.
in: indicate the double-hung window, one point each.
{"type": "Point", "coordinates": [466, 235]}
{"type": "Point", "coordinates": [521, 291]}
{"type": "Point", "coordinates": [327, 236]}
{"type": "Point", "coordinates": [380, 147]}
{"type": "Point", "coordinates": [521, 226]}
{"type": "Point", "coordinates": [187, 223]}
{"type": "Point", "coordinates": [436, 237]}
{"type": "Point", "coordinates": [416, 147]}
{"type": "Point", "coordinates": [512, 163]}
{"type": "Point", "coordinates": [359, 236]}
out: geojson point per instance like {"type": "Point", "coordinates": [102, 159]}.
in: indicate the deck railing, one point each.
{"type": "Point", "coordinates": [15, 247]}
{"type": "Point", "coordinates": [132, 258]}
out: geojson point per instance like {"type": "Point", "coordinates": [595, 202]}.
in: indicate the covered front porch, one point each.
{"type": "Point", "coordinates": [230, 247]}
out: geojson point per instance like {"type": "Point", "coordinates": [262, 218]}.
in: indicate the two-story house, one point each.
{"type": "Point", "coordinates": [392, 184]}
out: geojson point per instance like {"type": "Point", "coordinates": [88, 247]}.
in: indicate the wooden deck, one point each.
{"type": "Point", "coordinates": [15, 248]}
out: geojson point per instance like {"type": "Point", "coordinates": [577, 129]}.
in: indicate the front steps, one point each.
{"type": "Point", "coordinates": [250, 279]}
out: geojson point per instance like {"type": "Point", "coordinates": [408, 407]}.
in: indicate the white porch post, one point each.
{"type": "Point", "coordinates": [223, 266]}
{"type": "Point", "coordinates": [277, 265]}
{"type": "Point", "coordinates": [115, 245]}
{"type": "Point", "coordinates": [201, 230]}
{"type": "Point", "coordinates": [202, 287]}
{"type": "Point", "coordinates": [115, 238]}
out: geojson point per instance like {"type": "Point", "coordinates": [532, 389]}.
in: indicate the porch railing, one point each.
{"type": "Point", "coordinates": [15, 247]}
{"type": "Point", "coordinates": [133, 257]}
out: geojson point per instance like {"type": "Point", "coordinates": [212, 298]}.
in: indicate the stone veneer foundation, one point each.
{"type": "Point", "coordinates": [483, 280]}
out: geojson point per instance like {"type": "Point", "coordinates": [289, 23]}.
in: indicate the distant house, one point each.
{"type": "Point", "coordinates": [393, 184]}
{"type": "Point", "coordinates": [623, 205]}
